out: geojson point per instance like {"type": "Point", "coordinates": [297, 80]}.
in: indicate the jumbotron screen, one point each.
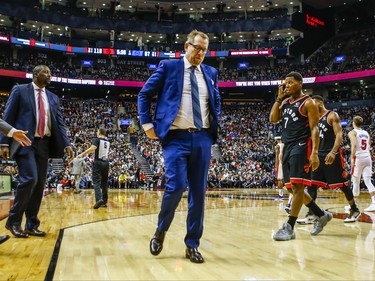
{"type": "Point", "coordinates": [317, 25]}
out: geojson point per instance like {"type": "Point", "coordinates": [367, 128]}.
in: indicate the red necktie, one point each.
{"type": "Point", "coordinates": [42, 114]}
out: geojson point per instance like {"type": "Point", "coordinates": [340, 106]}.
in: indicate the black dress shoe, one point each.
{"type": "Point", "coordinates": [194, 255]}
{"type": "Point", "coordinates": [99, 204]}
{"type": "Point", "coordinates": [16, 231]}
{"type": "Point", "coordinates": [35, 232]}
{"type": "Point", "coordinates": [4, 238]}
{"type": "Point", "coordinates": [156, 243]}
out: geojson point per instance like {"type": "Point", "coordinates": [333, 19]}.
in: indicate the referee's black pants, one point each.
{"type": "Point", "coordinates": [100, 172]}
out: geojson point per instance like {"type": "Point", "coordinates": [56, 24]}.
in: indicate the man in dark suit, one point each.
{"type": "Point", "coordinates": [186, 123]}
{"type": "Point", "coordinates": [35, 109]}
{"type": "Point", "coordinates": [20, 137]}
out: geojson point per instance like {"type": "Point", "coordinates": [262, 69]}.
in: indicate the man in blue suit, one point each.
{"type": "Point", "coordinates": [31, 107]}
{"type": "Point", "coordinates": [186, 123]}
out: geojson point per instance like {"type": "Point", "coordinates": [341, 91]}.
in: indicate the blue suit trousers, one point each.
{"type": "Point", "coordinates": [187, 159]}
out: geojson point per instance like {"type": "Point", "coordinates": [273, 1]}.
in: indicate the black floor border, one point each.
{"type": "Point", "coordinates": [53, 262]}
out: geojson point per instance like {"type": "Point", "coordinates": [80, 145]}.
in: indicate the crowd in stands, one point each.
{"type": "Point", "coordinates": [83, 118]}
{"type": "Point", "coordinates": [124, 70]}
{"type": "Point", "coordinates": [163, 12]}
{"type": "Point", "coordinates": [246, 142]}
{"type": "Point", "coordinates": [247, 138]}
{"type": "Point", "coordinates": [247, 146]}
{"type": "Point", "coordinates": [351, 94]}
{"type": "Point", "coordinates": [359, 53]}
{"type": "Point", "coordinates": [358, 48]}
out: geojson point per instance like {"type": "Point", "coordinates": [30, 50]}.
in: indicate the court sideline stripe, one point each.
{"type": "Point", "coordinates": [53, 262]}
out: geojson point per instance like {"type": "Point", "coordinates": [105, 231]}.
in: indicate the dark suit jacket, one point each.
{"type": "Point", "coordinates": [5, 127]}
{"type": "Point", "coordinates": [20, 112]}
{"type": "Point", "coordinates": [167, 83]}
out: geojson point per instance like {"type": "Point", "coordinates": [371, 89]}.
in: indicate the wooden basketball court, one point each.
{"type": "Point", "coordinates": [113, 243]}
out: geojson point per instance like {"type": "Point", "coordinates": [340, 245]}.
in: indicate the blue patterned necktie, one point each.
{"type": "Point", "coordinates": [197, 115]}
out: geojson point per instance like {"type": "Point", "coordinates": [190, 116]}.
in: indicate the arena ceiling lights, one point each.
{"type": "Point", "coordinates": [183, 5]}
{"type": "Point", "coordinates": [178, 6]}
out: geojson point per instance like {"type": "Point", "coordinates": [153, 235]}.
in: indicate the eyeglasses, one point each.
{"type": "Point", "coordinates": [198, 48]}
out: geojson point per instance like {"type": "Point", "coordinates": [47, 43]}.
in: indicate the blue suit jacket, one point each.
{"type": "Point", "coordinates": [166, 83]}
{"type": "Point", "coordinates": [20, 112]}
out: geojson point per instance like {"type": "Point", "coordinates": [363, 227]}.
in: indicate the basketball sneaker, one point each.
{"type": "Point", "coordinates": [347, 209]}
{"type": "Point", "coordinates": [320, 223]}
{"type": "Point", "coordinates": [288, 208]}
{"type": "Point", "coordinates": [279, 198]}
{"type": "Point", "coordinates": [370, 208]}
{"type": "Point", "coordinates": [285, 233]}
{"type": "Point", "coordinates": [308, 219]}
{"type": "Point", "coordinates": [353, 216]}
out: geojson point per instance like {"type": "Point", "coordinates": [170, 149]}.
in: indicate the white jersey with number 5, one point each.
{"type": "Point", "coordinates": [362, 161]}
{"type": "Point", "coordinates": [363, 143]}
